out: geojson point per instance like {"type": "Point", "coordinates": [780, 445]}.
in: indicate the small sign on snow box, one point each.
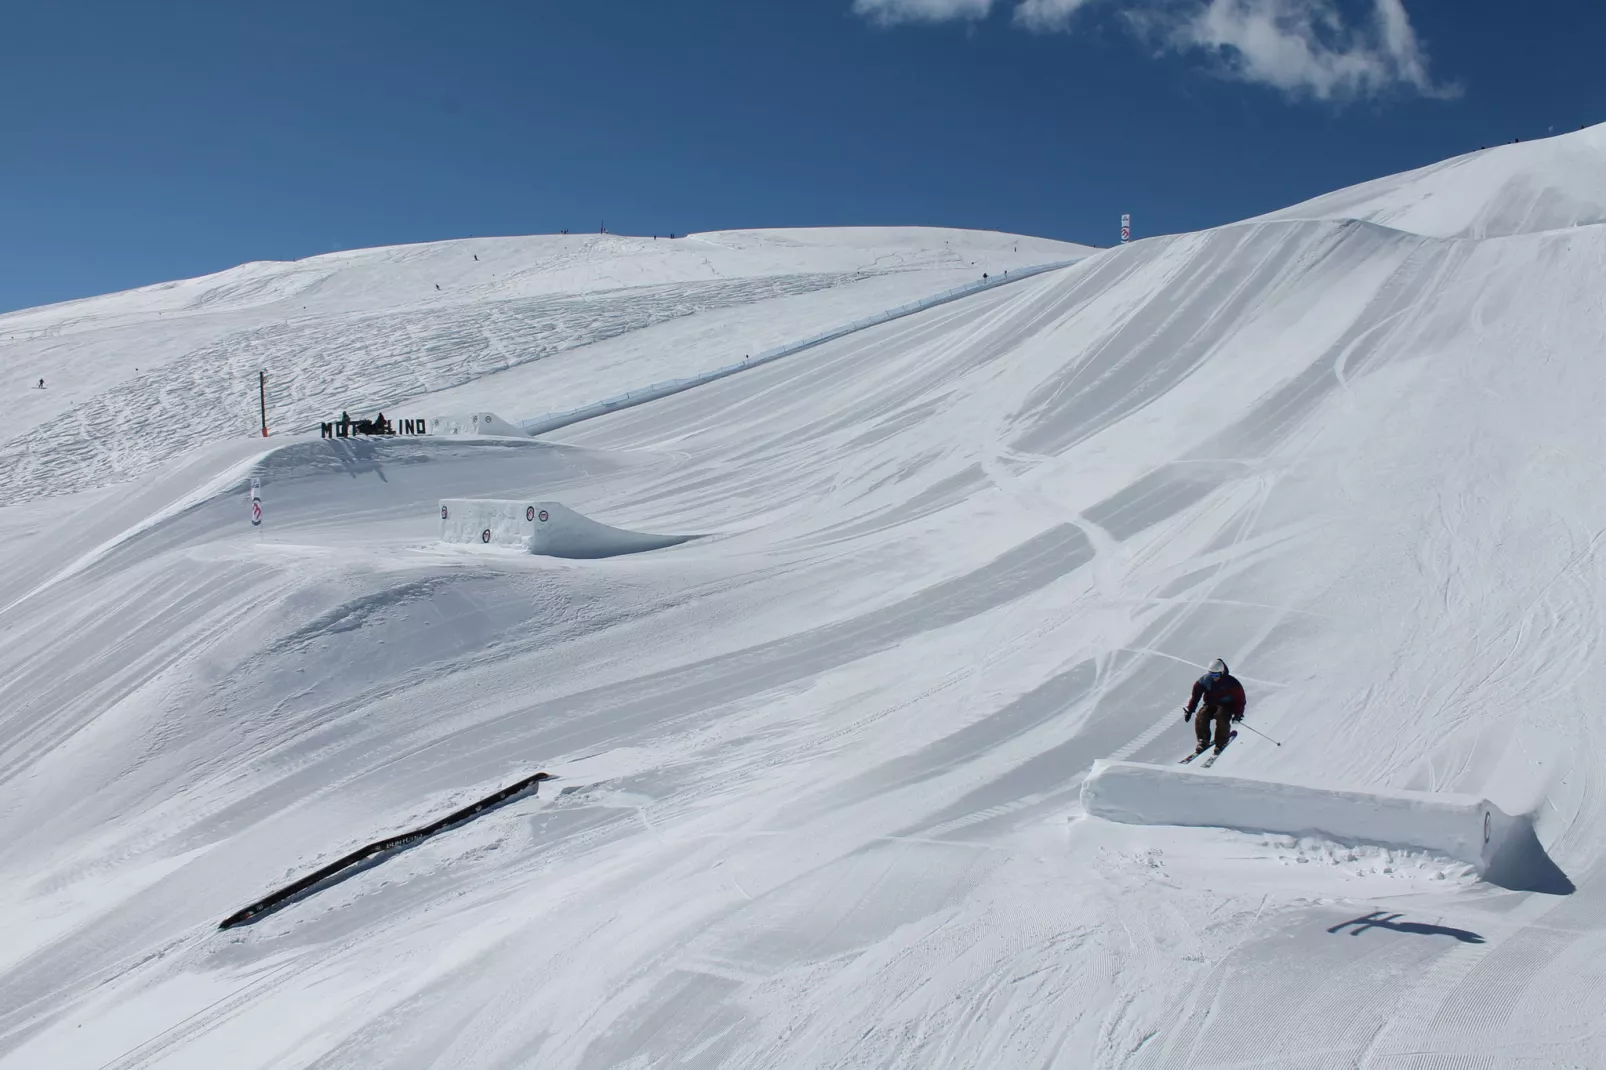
{"type": "Point", "coordinates": [1126, 227]}
{"type": "Point", "coordinates": [256, 502]}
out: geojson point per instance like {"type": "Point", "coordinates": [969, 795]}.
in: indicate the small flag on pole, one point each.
{"type": "Point", "coordinates": [256, 502]}
{"type": "Point", "coordinates": [1126, 228]}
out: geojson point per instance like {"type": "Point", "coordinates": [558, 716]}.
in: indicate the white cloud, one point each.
{"type": "Point", "coordinates": [890, 12]}
{"type": "Point", "coordinates": [1043, 16]}
{"type": "Point", "coordinates": [1302, 47]}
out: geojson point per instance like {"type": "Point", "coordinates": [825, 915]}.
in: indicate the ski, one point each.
{"type": "Point", "coordinates": [1208, 762]}
{"type": "Point", "coordinates": [1194, 755]}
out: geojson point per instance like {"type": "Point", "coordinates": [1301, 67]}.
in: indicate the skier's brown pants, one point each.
{"type": "Point", "coordinates": [1223, 723]}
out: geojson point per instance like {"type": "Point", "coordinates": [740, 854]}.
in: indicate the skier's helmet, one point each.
{"type": "Point", "coordinates": [1218, 668]}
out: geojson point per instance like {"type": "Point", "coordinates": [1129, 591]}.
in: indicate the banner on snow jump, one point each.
{"type": "Point", "coordinates": [345, 427]}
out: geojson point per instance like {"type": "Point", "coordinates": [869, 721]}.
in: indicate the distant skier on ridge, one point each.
{"type": "Point", "coordinates": [1224, 703]}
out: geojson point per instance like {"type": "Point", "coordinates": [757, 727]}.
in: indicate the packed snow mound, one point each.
{"type": "Point", "coordinates": [1462, 827]}
{"type": "Point", "coordinates": [560, 320]}
{"type": "Point", "coordinates": [1523, 188]}
{"type": "Point", "coordinates": [541, 527]}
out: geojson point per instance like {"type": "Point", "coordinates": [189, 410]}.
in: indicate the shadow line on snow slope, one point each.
{"type": "Point", "coordinates": [1523, 865]}
{"type": "Point", "coordinates": [1382, 919]}
{"type": "Point", "coordinates": [659, 701]}
{"type": "Point", "coordinates": [359, 458]}
{"type": "Point", "coordinates": [1051, 699]}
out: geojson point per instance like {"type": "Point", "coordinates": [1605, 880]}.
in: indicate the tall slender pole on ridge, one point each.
{"type": "Point", "coordinates": [262, 396]}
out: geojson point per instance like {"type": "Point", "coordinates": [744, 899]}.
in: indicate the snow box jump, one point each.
{"type": "Point", "coordinates": [475, 423]}
{"type": "Point", "coordinates": [1463, 827]}
{"type": "Point", "coordinates": [541, 528]}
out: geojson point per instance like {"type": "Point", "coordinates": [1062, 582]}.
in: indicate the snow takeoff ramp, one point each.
{"type": "Point", "coordinates": [540, 528]}
{"type": "Point", "coordinates": [1462, 827]}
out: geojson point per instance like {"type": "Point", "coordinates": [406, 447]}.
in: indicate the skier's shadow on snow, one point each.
{"type": "Point", "coordinates": [1382, 919]}
{"type": "Point", "coordinates": [359, 457]}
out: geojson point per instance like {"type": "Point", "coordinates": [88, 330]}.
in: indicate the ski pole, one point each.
{"type": "Point", "coordinates": [1258, 732]}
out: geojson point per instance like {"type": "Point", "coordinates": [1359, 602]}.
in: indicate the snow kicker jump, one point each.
{"type": "Point", "coordinates": [541, 528]}
{"type": "Point", "coordinates": [1464, 827]}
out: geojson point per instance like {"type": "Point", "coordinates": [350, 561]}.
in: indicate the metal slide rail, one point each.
{"type": "Point", "coordinates": [289, 892]}
{"type": "Point", "coordinates": [554, 420]}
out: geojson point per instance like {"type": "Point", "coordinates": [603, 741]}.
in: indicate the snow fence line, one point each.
{"type": "Point", "coordinates": [554, 420]}
{"type": "Point", "coordinates": [547, 528]}
{"type": "Point", "coordinates": [1464, 827]}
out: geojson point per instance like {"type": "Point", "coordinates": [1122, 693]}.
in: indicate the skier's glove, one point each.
{"type": "Point", "coordinates": [1237, 716]}
{"type": "Point", "coordinates": [1187, 715]}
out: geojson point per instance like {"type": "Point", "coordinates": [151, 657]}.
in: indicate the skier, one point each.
{"type": "Point", "coordinates": [1224, 703]}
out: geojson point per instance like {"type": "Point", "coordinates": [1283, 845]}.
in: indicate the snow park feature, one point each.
{"type": "Point", "coordinates": [1462, 827]}
{"type": "Point", "coordinates": [538, 527]}
{"type": "Point", "coordinates": [822, 774]}
{"type": "Point", "coordinates": [474, 423]}
{"type": "Point", "coordinates": [375, 852]}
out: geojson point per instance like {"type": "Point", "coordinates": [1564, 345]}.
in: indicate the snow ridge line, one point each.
{"type": "Point", "coordinates": [553, 420]}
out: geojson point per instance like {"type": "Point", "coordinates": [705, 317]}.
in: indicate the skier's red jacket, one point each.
{"type": "Point", "coordinates": [1224, 691]}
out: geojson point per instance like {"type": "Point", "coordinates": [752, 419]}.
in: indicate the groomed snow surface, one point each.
{"type": "Point", "coordinates": [819, 771]}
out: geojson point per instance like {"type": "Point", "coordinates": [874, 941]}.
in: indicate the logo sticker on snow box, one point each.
{"type": "Point", "coordinates": [485, 536]}
{"type": "Point", "coordinates": [529, 513]}
{"type": "Point", "coordinates": [256, 512]}
{"type": "Point", "coordinates": [443, 512]}
{"type": "Point", "coordinates": [544, 517]}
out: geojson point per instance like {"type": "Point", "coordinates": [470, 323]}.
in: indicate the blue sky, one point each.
{"type": "Point", "coordinates": [140, 143]}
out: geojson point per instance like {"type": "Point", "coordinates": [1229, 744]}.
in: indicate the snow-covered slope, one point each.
{"type": "Point", "coordinates": [135, 378]}
{"type": "Point", "coordinates": [1509, 189]}
{"type": "Point", "coordinates": [819, 770]}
